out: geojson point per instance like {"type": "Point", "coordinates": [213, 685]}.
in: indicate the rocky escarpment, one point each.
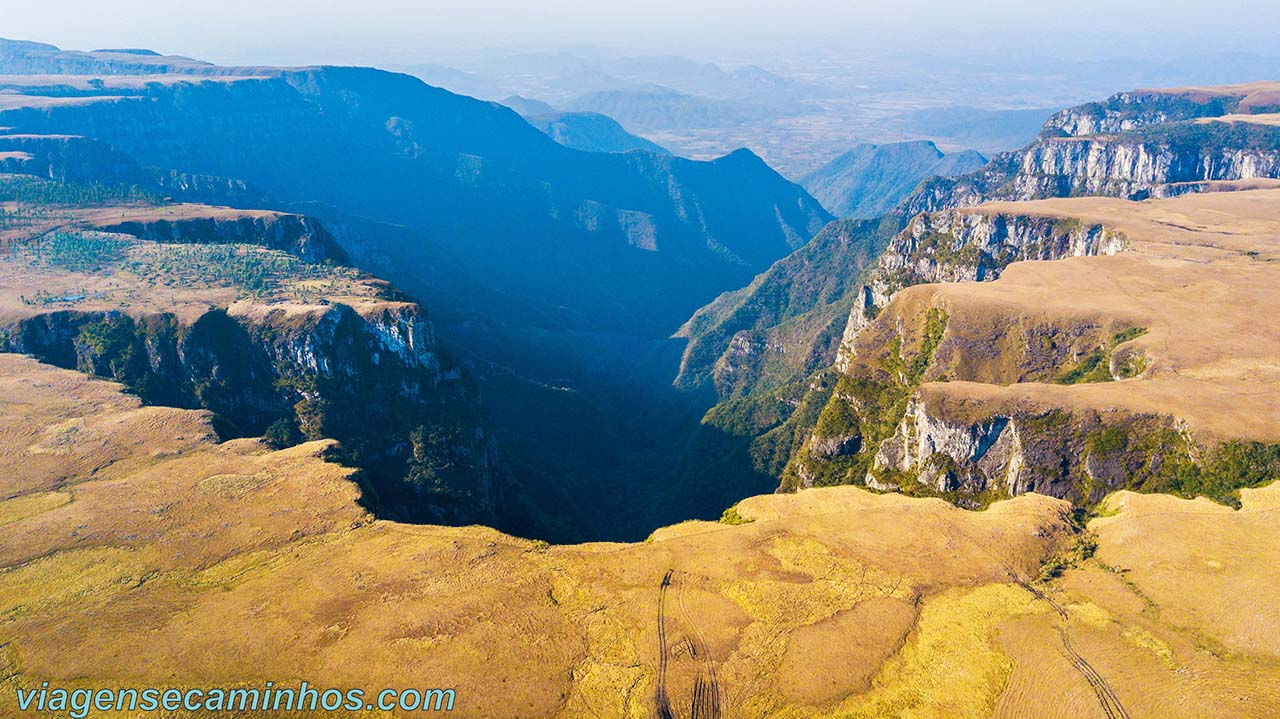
{"type": "Point", "coordinates": [1132, 145]}
{"type": "Point", "coordinates": [1139, 165]}
{"type": "Point", "coordinates": [1136, 109]}
{"type": "Point", "coordinates": [974, 455]}
{"type": "Point", "coordinates": [298, 235]}
{"type": "Point", "coordinates": [961, 246]}
{"type": "Point", "coordinates": [885, 423]}
{"type": "Point", "coordinates": [66, 158]}
{"type": "Point", "coordinates": [82, 160]}
{"type": "Point", "coordinates": [371, 377]}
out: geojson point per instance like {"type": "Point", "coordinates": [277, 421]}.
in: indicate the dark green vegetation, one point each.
{"type": "Point", "coordinates": [40, 195]}
{"type": "Point", "coordinates": [1163, 460]}
{"type": "Point", "coordinates": [1209, 136]}
{"type": "Point", "coordinates": [74, 251]}
{"type": "Point", "coordinates": [867, 181]}
{"type": "Point", "coordinates": [253, 271]}
{"type": "Point", "coordinates": [1096, 366]}
{"type": "Point", "coordinates": [732, 517]}
{"type": "Point", "coordinates": [866, 406]}
{"type": "Point", "coordinates": [420, 451]}
{"type": "Point", "coordinates": [788, 322]}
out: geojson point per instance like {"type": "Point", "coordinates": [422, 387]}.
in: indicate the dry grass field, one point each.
{"type": "Point", "coordinates": [1271, 118]}
{"type": "Point", "coordinates": [1200, 275]}
{"type": "Point", "coordinates": [149, 554]}
{"type": "Point", "coordinates": [60, 260]}
{"type": "Point", "coordinates": [135, 550]}
{"type": "Point", "coordinates": [1264, 93]}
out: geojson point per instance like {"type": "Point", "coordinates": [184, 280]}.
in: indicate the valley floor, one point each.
{"type": "Point", "coordinates": [135, 550]}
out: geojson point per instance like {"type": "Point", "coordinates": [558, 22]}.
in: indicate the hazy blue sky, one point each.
{"type": "Point", "coordinates": [369, 30]}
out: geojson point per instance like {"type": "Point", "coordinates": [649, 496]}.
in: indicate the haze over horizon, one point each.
{"type": "Point", "coordinates": [392, 31]}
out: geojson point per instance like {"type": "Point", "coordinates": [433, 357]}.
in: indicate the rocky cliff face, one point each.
{"type": "Point", "coordinates": [298, 235]}
{"type": "Point", "coordinates": [960, 246]}
{"type": "Point", "coordinates": [371, 377]}
{"type": "Point", "coordinates": [1134, 145]}
{"type": "Point", "coordinates": [1123, 168]}
{"type": "Point", "coordinates": [885, 423]}
{"type": "Point", "coordinates": [1131, 146]}
{"type": "Point", "coordinates": [1136, 109]}
{"type": "Point", "coordinates": [978, 457]}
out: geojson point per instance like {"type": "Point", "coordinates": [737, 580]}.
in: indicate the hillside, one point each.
{"type": "Point", "coordinates": [1110, 370]}
{"type": "Point", "coordinates": [169, 559]}
{"type": "Point", "coordinates": [373, 143]}
{"type": "Point", "coordinates": [557, 275]}
{"type": "Point", "coordinates": [591, 132]}
{"type": "Point", "coordinates": [1197, 138]}
{"type": "Point", "coordinates": [255, 317]}
{"type": "Point", "coordinates": [527, 106]}
{"type": "Point", "coordinates": [869, 180]}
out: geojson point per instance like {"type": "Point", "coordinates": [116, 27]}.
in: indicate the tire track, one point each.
{"type": "Point", "coordinates": [706, 700]}
{"type": "Point", "coordinates": [704, 697]}
{"type": "Point", "coordinates": [662, 702]}
{"type": "Point", "coordinates": [1102, 689]}
{"type": "Point", "coordinates": [1107, 698]}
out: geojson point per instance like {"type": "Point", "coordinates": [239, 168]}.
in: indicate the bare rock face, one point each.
{"type": "Point", "coordinates": [951, 456]}
{"type": "Point", "coordinates": [298, 235]}
{"type": "Point", "coordinates": [1137, 109]}
{"type": "Point", "coordinates": [959, 246]}
{"type": "Point", "coordinates": [1119, 167]}
{"type": "Point", "coordinates": [365, 376]}
{"type": "Point", "coordinates": [965, 452]}
{"type": "Point", "coordinates": [835, 446]}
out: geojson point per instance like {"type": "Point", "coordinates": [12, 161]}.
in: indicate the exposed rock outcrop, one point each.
{"type": "Point", "coordinates": [975, 456]}
{"type": "Point", "coordinates": [371, 377]}
{"type": "Point", "coordinates": [298, 235]}
{"type": "Point", "coordinates": [960, 246]}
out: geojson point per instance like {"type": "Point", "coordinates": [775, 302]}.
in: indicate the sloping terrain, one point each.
{"type": "Point", "coordinates": [1156, 143]}
{"type": "Point", "coordinates": [136, 552]}
{"type": "Point", "coordinates": [870, 180]}
{"type": "Point", "coordinates": [556, 276]}
{"type": "Point", "coordinates": [1147, 366]}
{"type": "Point", "coordinates": [253, 316]}
{"type": "Point", "coordinates": [591, 132]}
{"type": "Point", "coordinates": [605, 233]}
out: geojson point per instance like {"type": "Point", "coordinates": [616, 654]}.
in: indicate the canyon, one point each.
{"type": "Point", "coordinates": [327, 374]}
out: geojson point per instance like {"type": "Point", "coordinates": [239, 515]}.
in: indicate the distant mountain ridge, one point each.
{"type": "Point", "coordinates": [527, 106]}
{"type": "Point", "coordinates": [869, 180]}
{"type": "Point", "coordinates": [1138, 145]}
{"type": "Point", "coordinates": [592, 132]}
{"type": "Point", "coordinates": [598, 217]}
{"type": "Point", "coordinates": [559, 274]}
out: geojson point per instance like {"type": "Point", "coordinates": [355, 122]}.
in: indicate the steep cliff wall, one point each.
{"type": "Point", "coordinates": [370, 377]}
{"type": "Point", "coordinates": [1104, 369]}
{"type": "Point", "coordinates": [298, 235]}
{"type": "Point", "coordinates": [885, 424]}
{"type": "Point", "coordinates": [1121, 167]}
{"type": "Point", "coordinates": [964, 246]}
{"type": "Point", "coordinates": [1136, 109]}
